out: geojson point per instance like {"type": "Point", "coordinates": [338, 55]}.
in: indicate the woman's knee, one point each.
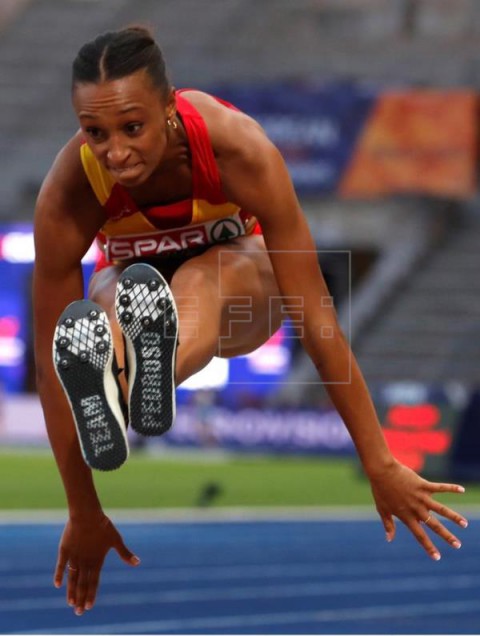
{"type": "Point", "coordinates": [102, 287]}
{"type": "Point", "coordinates": [196, 293]}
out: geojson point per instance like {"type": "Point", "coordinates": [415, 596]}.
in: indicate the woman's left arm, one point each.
{"type": "Point", "coordinates": [254, 176]}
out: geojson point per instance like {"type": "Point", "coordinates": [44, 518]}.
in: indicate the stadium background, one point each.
{"type": "Point", "coordinates": [374, 106]}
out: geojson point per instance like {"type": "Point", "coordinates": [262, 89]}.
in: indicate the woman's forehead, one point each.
{"type": "Point", "coordinates": [136, 89]}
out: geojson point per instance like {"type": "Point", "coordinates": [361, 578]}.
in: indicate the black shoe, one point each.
{"type": "Point", "coordinates": [147, 315]}
{"type": "Point", "coordinates": [83, 357]}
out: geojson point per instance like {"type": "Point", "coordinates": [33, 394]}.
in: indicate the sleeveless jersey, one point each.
{"type": "Point", "coordinates": [206, 218]}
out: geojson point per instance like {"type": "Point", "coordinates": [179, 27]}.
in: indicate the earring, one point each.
{"type": "Point", "coordinates": [172, 123]}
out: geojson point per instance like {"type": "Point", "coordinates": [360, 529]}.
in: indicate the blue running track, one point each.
{"type": "Point", "coordinates": [249, 577]}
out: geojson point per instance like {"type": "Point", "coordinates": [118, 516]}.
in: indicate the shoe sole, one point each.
{"type": "Point", "coordinates": [83, 358]}
{"type": "Point", "coordinates": [147, 315]}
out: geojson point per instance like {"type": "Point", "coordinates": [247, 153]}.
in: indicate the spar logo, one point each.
{"type": "Point", "coordinates": [174, 240]}
{"type": "Point", "coordinates": [225, 230]}
{"type": "Point", "coordinates": [154, 244]}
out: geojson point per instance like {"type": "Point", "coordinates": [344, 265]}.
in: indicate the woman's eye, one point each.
{"type": "Point", "coordinates": [94, 133]}
{"type": "Point", "coordinates": [133, 128]}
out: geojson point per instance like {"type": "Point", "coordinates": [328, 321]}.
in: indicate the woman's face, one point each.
{"type": "Point", "coordinates": [125, 124]}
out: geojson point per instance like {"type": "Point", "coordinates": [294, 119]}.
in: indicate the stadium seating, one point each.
{"type": "Point", "coordinates": [418, 332]}
{"type": "Point", "coordinates": [430, 329]}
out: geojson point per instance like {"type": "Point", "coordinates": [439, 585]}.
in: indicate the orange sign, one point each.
{"type": "Point", "coordinates": [416, 142]}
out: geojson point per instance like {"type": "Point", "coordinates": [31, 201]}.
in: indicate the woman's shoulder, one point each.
{"type": "Point", "coordinates": [230, 129]}
{"type": "Point", "coordinates": [68, 159]}
{"type": "Point", "coordinates": [66, 178]}
{"type": "Point", "coordinates": [197, 97]}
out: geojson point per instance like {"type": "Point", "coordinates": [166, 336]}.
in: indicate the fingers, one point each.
{"type": "Point", "coordinates": [434, 487]}
{"type": "Point", "coordinates": [83, 581]}
{"type": "Point", "coordinates": [448, 513]}
{"type": "Point", "coordinates": [93, 582]}
{"type": "Point", "coordinates": [437, 526]}
{"type": "Point", "coordinates": [429, 520]}
{"type": "Point", "coordinates": [390, 528]}
{"type": "Point", "coordinates": [82, 588]}
{"type": "Point", "coordinates": [124, 553]}
{"type": "Point", "coordinates": [73, 574]}
{"type": "Point", "coordinates": [410, 498]}
{"type": "Point", "coordinates": [81, 591]}
{"type": "Point", "coordinates": [417, 529]}
{"type": "Point", "coordinates": [60, 568]}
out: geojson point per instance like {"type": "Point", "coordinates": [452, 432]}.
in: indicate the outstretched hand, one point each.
{"type": "Point", "coordinates": [401, 492]}
{"type": "Point", "coordinates": [82, 550]}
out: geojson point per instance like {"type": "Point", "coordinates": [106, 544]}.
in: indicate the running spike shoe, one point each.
{"type": "Point", "coordinates": [84, 360]}
{"type": "Point", "coordinates": [147, 315]}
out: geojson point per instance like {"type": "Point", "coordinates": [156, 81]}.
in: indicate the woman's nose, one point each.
{"type": "Point", "coordinates": [117, 154]}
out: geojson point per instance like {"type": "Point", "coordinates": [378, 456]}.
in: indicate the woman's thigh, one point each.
{"type": "Point", "coordinates": [102, 286]}
{"type": "Point", "coordinates": [227, 299]}
{"type": "Point", "coordinates": [233, 288]}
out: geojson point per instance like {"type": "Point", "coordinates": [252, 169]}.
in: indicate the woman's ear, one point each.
{"type": "Point", "coordinates": [171, 108]}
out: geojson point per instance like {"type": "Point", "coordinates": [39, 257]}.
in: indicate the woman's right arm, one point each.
{"type": "Point", "coordinates": [67, 218]}
{"type": "Point", "coordinates": [66, 221]}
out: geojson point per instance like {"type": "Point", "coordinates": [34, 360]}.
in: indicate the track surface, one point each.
{"type": "Point", "coordinates": [260, 577]}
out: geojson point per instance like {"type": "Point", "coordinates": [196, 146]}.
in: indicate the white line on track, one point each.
{"type": "Point", "coordinates": [199, 515]}
{"type": "Point", "coordinates": [417, 584]}
{"type": "Point", "coordinates": [230, 572]}
{"type": "Point", "coordinates": [224, 514]}
{"type": "Point", "coordinates": [342, 615]}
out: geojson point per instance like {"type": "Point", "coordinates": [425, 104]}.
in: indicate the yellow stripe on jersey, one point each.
{"type": "Point", "coordinates": [205, 211]}
{"type": "Point", "coordinates": [136, 223]}
{"type": "Point", "coordinates": [100, 180]}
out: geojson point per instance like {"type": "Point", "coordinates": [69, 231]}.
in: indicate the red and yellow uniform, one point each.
{"type": "Point", "coordinates": [206, 218]}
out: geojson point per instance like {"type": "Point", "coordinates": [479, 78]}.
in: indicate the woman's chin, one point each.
{"type": "Point", "coordinates": [135, 175]}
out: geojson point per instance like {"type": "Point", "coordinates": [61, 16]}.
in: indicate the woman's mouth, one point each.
{"type": "Point", "coordinates": [125, 172]}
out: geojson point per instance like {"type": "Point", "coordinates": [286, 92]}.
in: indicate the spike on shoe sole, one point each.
{"type": "Point", "coordinates": [83, 358]}
{"type": "Point", "coordinates": [147, 315]}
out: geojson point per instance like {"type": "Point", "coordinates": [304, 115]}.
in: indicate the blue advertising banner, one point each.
{"type": "Point", "coordinates": [315, 127]}
{"type": "Point", "coordinates": [357, 140]}
{"type": "Point", "coordinates": [301, 431]}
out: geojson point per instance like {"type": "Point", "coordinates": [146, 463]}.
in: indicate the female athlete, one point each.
{"type": "Point", "coordinates": [203, 242]}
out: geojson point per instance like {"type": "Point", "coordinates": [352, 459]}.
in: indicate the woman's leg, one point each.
{"type": "Point", "coordinates": [228, 302]}
{"type": "Point", "coordinates": [227, 299]}
{"type": "Point", "coordinates": [101, 290]}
